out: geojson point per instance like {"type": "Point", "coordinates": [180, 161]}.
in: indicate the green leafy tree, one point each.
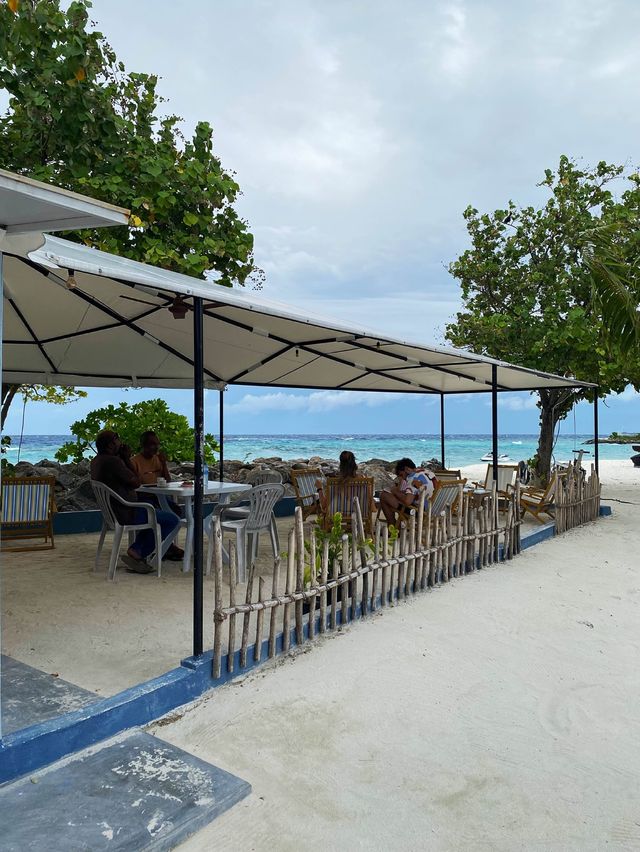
{"type": "Point", "coordinates": [613, 257]}
{"type": "Point", "coordinates": [78, 119]}
{"type": "Point", "coordinates": [130, 421]}
{"type": "Point", "coordinates": [528, 291]}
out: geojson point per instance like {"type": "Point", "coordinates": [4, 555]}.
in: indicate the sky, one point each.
{"type": "Point", "coordinates": [359, 132]}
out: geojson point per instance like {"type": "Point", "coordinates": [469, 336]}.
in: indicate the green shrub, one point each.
{"type": "Point", "coordinates": [130, 421]}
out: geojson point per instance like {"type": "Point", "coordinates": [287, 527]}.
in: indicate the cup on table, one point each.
{"type": "Point", "coordinates": [161, 481]}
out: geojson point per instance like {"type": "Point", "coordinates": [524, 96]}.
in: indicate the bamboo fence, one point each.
{"type": "Point", "coordinates": [311, 593]}
{"type": "Point", "coordinates": [577, 498]}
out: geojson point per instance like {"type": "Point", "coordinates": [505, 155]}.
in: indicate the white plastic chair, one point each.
{"type": "Point", "coordinates": [261, 500]}
{"type": "Point", "coordinates": [104, 498]}
{"type": "Point", "coordinates": [261, 477]}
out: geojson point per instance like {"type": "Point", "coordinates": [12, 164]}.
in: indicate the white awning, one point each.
{"type": "Point", "coordinates": [111, 326]}
{"type": "Point", "coordinates": [28, 206]}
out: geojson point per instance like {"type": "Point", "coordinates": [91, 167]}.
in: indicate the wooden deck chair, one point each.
{"type": "Point", "coordinates": [27, 511]}
{"type": "Point", "coordinates": [340, 495]}
{"type": "Point", "coordinates": [304, 485]}
{"type": "Point", "coordinates": [507, 475]}
{"type": "Point", "coordinates": [442, 475]}
{"type": "Point", "coordinates": [446, 493]}
{"type": "Point", "coordinates": [538, 502]}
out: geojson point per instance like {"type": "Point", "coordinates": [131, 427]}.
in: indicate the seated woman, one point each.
{"type": "Point", "coordinates": [406, 491]}
{"type": "Point", "coordinates": [348, 470]}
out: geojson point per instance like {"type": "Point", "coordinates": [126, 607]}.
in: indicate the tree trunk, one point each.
{"type": "Point", "coordinates": [555, 404]}
{"type": "Point", "coordinates": [8, 393]}
{"type": "Point", "coordinates": [545, 440]}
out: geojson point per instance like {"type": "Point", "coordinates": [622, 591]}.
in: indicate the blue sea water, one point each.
{"type": "Point", "coordinates": [460, 449]}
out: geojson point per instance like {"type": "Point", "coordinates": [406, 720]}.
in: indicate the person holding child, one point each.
{"type": "Point", "coordinates": [406, 491]}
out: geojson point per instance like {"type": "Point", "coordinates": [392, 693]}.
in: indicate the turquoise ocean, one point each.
{"type": "Point", "coordinates": [460, 449]}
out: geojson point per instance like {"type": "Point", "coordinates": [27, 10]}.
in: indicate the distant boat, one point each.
{"type": "Point", "coordinates": [516, 442]}
{"type": "Point", "coordinates": [502, 457]}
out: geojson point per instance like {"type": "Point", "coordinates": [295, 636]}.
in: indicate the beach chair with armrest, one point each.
{"type": "Point", "coordinates": [538, 501]}
{"type": "Point", "coordinates": [507, 475]}
{"type": "Point", "coordinates": [446, 493]}
{"type": "Point", "coordinates": [306, 491]}
{"type": "Point", "coordinates": [27, 512]}
{"type": "Point", "coordinates": [447, 475]}
{"type": "Point", "coordinates": [340, 496]}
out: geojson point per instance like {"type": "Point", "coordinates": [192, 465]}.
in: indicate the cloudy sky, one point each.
{"type": "Point", "coordinates": [359, 132]}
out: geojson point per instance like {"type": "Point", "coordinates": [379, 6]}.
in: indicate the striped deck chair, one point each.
{"type": "Point", "coordinates": [340, 494]}
{"type": "Point", "coordinates": [27, 512]}
{"type": "Point", "coordinates": [446, 493]}
{"type": "Point", "coordinates": [304, 485]}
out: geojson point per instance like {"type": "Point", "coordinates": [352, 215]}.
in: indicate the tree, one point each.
{"type": "Point", "coordinates": [528, 291]}
{"type": "Point", "coordinates": [78, 119]}
{"type": "Point", "coordinates": [130, 421]}
{"type": "Point", "coordinates": [613, 258]}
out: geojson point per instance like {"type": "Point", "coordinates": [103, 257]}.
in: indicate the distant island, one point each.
{"type": "Point", "coordinates": [615, 438]}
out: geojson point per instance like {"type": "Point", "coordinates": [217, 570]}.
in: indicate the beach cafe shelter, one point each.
{"type": "Point", "coordinates": [77, 316]}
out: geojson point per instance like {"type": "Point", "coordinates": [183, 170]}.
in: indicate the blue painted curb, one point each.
{"type": "Point", "coordinates": [31, 748]}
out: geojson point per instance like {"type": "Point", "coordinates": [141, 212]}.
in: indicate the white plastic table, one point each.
{"type": "Point", "coordinates": [184, 493]}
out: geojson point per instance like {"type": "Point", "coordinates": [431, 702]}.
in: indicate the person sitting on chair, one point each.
{"type": "Point", "coordinates": [150, 464]}
{"type": "Point", "coordinates": [406, 491]}
{"type": "Point", "coordinates": [112, 466]}
{"type": "Point", "coordinates": [348, 470]}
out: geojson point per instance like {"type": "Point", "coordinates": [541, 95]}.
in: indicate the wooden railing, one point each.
{"type": "Point", "coordinates": [577, 497]}
{"type": "Point", "coordinates": [319, 585]}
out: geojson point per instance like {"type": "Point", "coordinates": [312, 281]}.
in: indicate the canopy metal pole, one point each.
{"type": "Point", "coordinates": [221, 434]}
{"type": "Point", "coordinates": [494, 419]}
{"type": "Point", "coordinates": [596, 454]}
{"type": "Point", "coordinates": [198, 497]}
{"type": "Point", "coordinates": [442, 431]}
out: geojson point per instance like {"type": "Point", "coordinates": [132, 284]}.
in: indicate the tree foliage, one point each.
{"type": "Point", "coordinates": [78, 119]}
{"type": "Point", "coordinates": [130, 421]}
{"type": "Point", "coordinates": [528, 290]}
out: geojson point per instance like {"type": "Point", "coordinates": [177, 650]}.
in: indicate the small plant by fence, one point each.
{"type": "Point", "coordinates": [577, 498]}
{"type": "Point", "coordinates": [322, 583]}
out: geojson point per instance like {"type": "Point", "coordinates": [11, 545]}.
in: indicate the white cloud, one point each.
{"type": "Point", "coordinates": [517, 403]}
{"type": "Point", "coordinates": [316, 402]}
{"type": "Point", "coordinates": [628, 395]}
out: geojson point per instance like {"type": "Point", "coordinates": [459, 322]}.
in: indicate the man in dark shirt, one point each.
{"type": "Point", "coordinates": [112, 466]}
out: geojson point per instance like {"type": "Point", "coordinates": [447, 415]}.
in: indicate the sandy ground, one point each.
{"type": "Point", "coordinates": [59, 616]}
{"type": "Point", "coordinates": [501, 712]}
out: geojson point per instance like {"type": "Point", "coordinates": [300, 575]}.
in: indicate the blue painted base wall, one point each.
{"type": "Point", "coordinates": [39, 745]}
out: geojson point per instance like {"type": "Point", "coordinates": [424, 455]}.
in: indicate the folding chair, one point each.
{"type": "Point", "coordinates": [304, 485]}
{"type": "Point", "coordinates": [27, 511]}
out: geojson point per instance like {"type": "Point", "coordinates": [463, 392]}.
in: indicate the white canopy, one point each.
{"type": "Point", "coordinates": [77, 316]}
{"type": "Point", "coordinates": [28, 206]}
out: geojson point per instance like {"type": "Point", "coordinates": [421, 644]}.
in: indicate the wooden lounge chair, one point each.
{"type": "Point", "coordinates": [340, 495]}
{"type": "Point", "coordinates": [507, 475]}
{"type": "Point", "coordinates": [446, 493]}
{"type": "Point", "coordinates": [27, 512]}
{"type": "Point", "coordinates": [304, 485]}
{"type": "Point", "coordinates": [538, 502]}
{"type": "Point", "coordinates": [447, 475]}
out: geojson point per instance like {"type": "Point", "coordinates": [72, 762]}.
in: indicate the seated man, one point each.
{"type": "Point", "coordinates": [150, 464]}
{"type": "Point", "coordinates": [406, 491]}
{"type": "Point", "coordinates": [112, 466]}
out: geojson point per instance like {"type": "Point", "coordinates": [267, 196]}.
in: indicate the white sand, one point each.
{"type": "Point", "coordinates": [499, 713]}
